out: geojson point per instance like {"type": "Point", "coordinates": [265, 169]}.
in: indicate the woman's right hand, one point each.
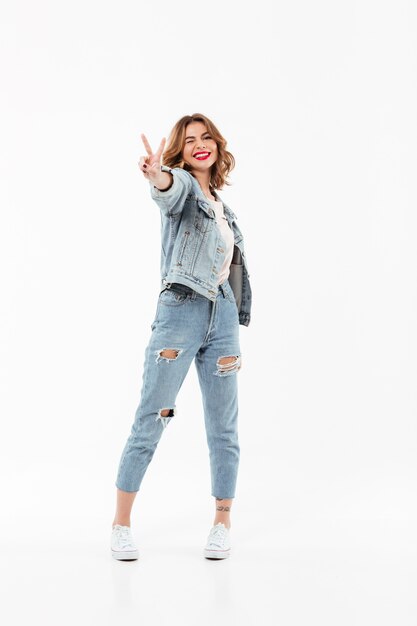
{"type": "Point", "coordinates": [150, 165]}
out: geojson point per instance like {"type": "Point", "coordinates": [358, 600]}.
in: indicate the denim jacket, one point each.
{"type": "Point", "coordinates": [193, 250]}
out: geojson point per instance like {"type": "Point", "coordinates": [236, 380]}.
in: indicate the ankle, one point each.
{"type": "Point", "coordinates": [121, 522]}
{"type": "Point", "coordinates": [225, 522]}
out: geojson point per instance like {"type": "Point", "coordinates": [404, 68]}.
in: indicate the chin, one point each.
{"type": "Point", "coordinates": [202, 166]}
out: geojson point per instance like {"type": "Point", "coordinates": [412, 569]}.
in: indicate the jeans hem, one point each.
{"type": "Point", "coordinates": [223, 497]}
{"type": "Point", "coordinates": [127, 490]}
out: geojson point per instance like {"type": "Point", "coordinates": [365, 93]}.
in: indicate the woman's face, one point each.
{"type": "Point", "coordinates": [198, 140]}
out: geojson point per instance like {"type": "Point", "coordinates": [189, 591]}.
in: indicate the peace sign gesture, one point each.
{"type": "Point", "coordinates": [151, 165]}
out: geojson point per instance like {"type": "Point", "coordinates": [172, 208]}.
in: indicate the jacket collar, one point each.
{"type": "Point", "coordinates": [227, 209]}
{"type": "Point", "coordinates": [205, 204]}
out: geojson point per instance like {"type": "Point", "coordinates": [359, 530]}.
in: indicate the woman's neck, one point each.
{"type": "Point", "coordinates": [204, 182]}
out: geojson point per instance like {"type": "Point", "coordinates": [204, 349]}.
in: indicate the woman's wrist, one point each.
{"type": "Point", "coordinates": [164, 181]}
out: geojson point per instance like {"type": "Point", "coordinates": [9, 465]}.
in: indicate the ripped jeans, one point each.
{"type": "Point", "coordinates": [189, 326]}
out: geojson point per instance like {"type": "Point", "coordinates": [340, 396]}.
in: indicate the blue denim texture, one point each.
{"type": "Point", "coordinates": [192, 250]}
{"type": "Point", "coordinates": [203, 330]}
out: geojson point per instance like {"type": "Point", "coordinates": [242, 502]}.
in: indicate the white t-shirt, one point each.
{"type": "Point", "coordinates": [228, 239]}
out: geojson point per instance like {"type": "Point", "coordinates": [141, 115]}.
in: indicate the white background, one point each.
{"type": "Point", "coordinates": [317, 101]}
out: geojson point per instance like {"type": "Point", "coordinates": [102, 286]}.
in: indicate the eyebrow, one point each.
{"type": "Point", "coordinates": [192, 136]}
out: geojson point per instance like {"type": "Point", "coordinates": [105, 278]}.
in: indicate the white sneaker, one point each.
{"type": "Point", "coordinates": [123, 546]}
{"type": "Point", "coordinates": [218, 542]}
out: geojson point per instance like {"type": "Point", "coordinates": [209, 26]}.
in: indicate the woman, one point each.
{"type": "Point", "coordinates": [205, 294]}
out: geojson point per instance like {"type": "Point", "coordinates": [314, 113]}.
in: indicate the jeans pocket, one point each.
{"type": "Point", "coordinates": [171, 297]}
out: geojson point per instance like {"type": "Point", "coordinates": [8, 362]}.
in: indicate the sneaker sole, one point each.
{"type": "Point", "coordinates": [216, 554]}
{"type": "Point", "coordinates": [125, 556]}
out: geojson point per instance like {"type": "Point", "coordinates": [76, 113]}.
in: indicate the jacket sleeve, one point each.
{"type": "Point", "coordinates": [172, 200]}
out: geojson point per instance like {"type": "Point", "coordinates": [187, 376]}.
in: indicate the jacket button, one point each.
{"type": "Point", "coordinates": [220, 250]}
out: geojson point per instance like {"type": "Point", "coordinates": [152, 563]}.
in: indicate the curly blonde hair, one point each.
{"type": "Point", "coordinates": [172, 155]}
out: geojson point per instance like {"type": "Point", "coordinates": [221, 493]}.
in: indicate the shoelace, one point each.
{"type": "Point", "coordinates": [217, 536]}
{"type": "Point", "coordinates": [123, 537]}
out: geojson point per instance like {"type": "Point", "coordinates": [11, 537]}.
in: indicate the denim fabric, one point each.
{"type": "Point", "coordinates": [203, 330]}
{"type": "Point", "coordinates": [192, 249]}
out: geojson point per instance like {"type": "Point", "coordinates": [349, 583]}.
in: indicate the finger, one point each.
{"type": "Point", "coordinates": [144, 159]}
{"type": "Point", "coordinates": [144, 166]}
{"type": "Point", "coordinates": [143, 162]}
{"type": "Point", "coordinates": [153, 170]}
{"type": "Point", "coordinates": [146, 144]}
{"type": "Point", "coordinates": [161, 148]}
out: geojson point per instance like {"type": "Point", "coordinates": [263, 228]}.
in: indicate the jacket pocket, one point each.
{"type": "Point", "coordinates": [183, 246]}
{"type": "Point", "coordinates": [202, 223]}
